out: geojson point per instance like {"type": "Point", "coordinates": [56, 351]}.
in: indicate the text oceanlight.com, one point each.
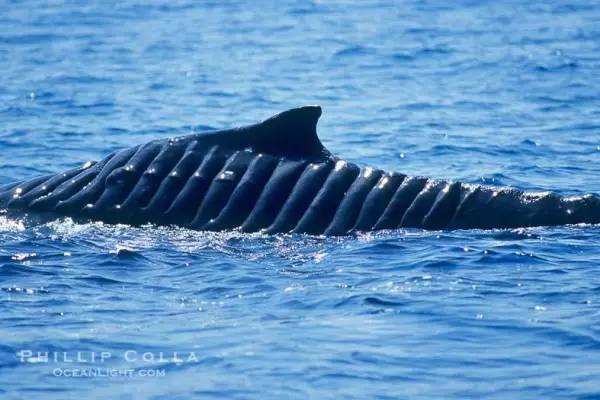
{"type": "Point", "coordinates": [100, 364]}
{"type": "Point", "coordinates": [98, 372]}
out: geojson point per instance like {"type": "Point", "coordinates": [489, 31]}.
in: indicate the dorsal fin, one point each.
{"type": "Point", "coordinates": [292, 133]}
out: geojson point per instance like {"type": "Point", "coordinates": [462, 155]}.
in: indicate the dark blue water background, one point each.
{"type": "Point", "coordinates": [503, 93]}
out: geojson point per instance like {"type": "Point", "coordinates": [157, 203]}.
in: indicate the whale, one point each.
{"type": "Point", "coordinates": [277, 177]}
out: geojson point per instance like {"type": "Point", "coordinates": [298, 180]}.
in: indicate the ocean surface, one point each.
{"type": "Point", "coordinates": [502, 93]}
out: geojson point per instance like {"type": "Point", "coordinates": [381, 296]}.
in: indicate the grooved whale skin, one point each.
{"type": "Point", "coordinates": [276, 176]}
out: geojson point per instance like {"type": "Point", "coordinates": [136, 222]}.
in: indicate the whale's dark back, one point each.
{"type": "Point", "coordinates": [276, 176]}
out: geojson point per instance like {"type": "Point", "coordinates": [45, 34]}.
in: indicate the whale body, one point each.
{"type": "Point", "coordinates": [276, 176]}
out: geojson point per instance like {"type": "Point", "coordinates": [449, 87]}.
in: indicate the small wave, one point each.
{"type": "Point", "coordinates": [352, 51]}
{"type": "Point", "coordinates": [101, 280]}
{"type": "Point", "coordinates": [378, 301]}
{"type": "Point", "coordinates": [568, 65]}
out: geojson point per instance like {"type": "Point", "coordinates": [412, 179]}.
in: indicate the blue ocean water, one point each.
{"type": "Point", "coordinates": [503, 93]}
